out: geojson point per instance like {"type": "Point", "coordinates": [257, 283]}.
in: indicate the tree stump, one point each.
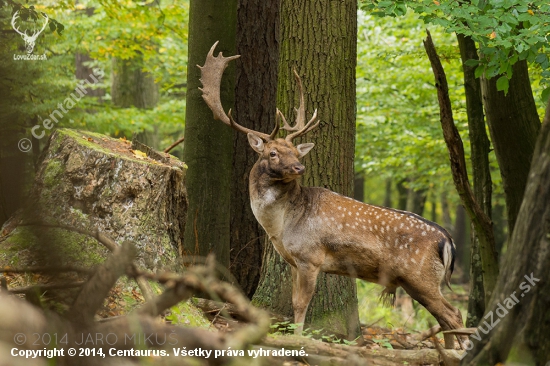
{"type": "Point", "coordinates": [93, 182]}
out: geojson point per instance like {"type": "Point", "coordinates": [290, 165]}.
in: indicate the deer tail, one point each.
{"type": "Point", "coordinates": [447, 253]}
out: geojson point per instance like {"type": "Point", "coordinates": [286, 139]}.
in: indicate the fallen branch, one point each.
{"type": "Point", "coordinates": [42, 288]}
{"type": "Point", "coordinates": [96, 289]}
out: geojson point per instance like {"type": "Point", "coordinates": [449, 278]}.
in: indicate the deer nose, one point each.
{"type": "Point", "coordinates": [299, 169]}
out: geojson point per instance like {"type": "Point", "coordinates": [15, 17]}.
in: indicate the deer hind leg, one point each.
{"type": "Point", "coordinates": [304, 277]}
{"type": "Point", "coordinates": [428, 293]}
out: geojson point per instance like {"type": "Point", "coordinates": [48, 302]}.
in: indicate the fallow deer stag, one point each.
{"type": "Point", "coordinates": [315, 229]}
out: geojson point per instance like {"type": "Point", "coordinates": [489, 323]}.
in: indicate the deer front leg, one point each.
{"type": "Point", "coordinates": [304, 277]}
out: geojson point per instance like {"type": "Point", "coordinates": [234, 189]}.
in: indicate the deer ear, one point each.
{"type": "Point", "coordinates": [303, 149]}
{"type": "Point", "coordinates": [256, 142]}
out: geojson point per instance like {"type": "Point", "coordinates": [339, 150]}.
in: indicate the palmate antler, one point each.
{"type": "Point", "coordinates": [211, 76]}
{"type": "Point", "coordinates": [29, 40]}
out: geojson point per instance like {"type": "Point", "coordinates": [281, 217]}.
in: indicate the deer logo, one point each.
{"type": "Point", "coordinates": [29, 39]}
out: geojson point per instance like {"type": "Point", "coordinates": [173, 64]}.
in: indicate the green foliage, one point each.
{"type": "Point", "coordinates": [184, 313]}
{"type": "Point", "coordinates": [286, 327]}
{"type": "Point", "coordinates": [156, 31]}
{"type": "Point", "coordinates": [385, 342]}
{"type": "Point", "coordinates": [398, 129]}
{"type": "Point", "coordinates": [505, 30]}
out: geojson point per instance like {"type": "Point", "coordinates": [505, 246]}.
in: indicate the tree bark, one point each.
{"type": "Point", "coordinates": [318, 39]}
{"type": "Point", "coordinates": [482, 183]}
{"type": "Point", "coordinates": [524, 330]}
{"type": "Point", "coordinates": [255, 105]}
{"type": "Point", "coordinates": [208, 143]}
{"type": "Point", "coordinates": [514, 125]}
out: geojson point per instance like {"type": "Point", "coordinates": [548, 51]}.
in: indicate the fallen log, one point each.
{"type": "Point", "coordinates": [379, 356]}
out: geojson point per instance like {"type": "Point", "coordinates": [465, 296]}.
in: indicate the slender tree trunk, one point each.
{"type": "Point", "coordinates": [208, 143]}
{"type": "Point", "coordinates": [132, 87]}
{"type": "Point", "coordinates": [387, 193]}
{"type": "Point", "coordinates": [460, 238]}
{"type": "Point", "coordinates": [82, 71]}
{"type": "Point", "coordinates": [514, 125]}
{"type": "Point", "coordinates": [433, 216]}
{"type": "Point", "coordinates": [522, 294]}
{"type": "Point", "coordinates": [482, 184]}
{"type": "Point", "coordinates": [402, 192]}
{"type": "Point", "coordinates": [416, 201]}
{"type": "Point", "coordinates": [480, 220]}
{"type": "Point", "coordinates": [446, 212]}
{"type": "Point", "coordinates": [359, 188]}
{"type": "Point", "coordinates": [318, 39]}
{"type": "Point", "coordinates": [255, 98]}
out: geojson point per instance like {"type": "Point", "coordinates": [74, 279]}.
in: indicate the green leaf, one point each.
{"type": "Point", "coordinates": [502, 84]}
{"type": "Point", "coordinates": [471, 62]}
{"type": "Point", "coordinates": [545, 94]}
{"type": "Point", "coordinates": [479, 71]}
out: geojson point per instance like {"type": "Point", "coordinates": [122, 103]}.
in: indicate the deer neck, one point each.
{"type": "Point", "coordinates": [271, 200]}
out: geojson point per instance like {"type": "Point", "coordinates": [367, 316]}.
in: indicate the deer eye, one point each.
{"type": "Point", "coordinates": [273, 154]}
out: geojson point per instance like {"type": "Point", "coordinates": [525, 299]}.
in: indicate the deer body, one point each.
{"type": "Point", "coordinates": [315, 229]}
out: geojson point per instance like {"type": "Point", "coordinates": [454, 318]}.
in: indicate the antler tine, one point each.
{"type": "Point", "coordinates": [15, 16]}
{"type": "Point", "coordinates": [308, 127]}
{"type": "Point", "coordinates": [211, 77]}
{"type": "Point", "coordinates": [45, 23]}
{"type": "Point", "coordinates": [277, 126]}
{"type": "Point", "coordinates": [299, 129]}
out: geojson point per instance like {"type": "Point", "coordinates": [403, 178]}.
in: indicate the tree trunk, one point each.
{"type": "Point", "coordinates": [482, 184]}
{"type": "Point", "coordinates": [83, 72]}
{"type": "Point", "coordinates": [514, 125]}
{"type": "Point", "coordinates": [460, 235]}
{"type": "Point", "coordinates": [93, 182]}
{"type": "Point", "coordinates": [318, 39]}
{"type": "Point", "coordinates": [132, 87]}
{"type": "Point", "coordinates": [359, 188]}
{"type": "Point", "coordinates": [255, 98]}
{"type": "Point", "coordinates": [481, 222]}
{"type": "Point", "coordinates": [522, 294]}
{"type": "Point", "coordinates": [402, 192]}
{"type": "Point", "coordinates": [416, 201]}
{"type": "Point", "coordinates": [387, 193]}
{"type": "Point", "coordinates": [208, 143]}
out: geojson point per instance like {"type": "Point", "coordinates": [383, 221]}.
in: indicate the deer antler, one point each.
{"type": "Point", "coordinates": [299, 128]}
{"type": "Point", "coordinates": [211, 76]}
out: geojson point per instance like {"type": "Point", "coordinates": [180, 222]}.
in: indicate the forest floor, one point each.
{"type": "Point", "coordinates": [383, 329]}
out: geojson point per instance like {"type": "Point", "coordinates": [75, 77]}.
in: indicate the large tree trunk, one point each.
{"type": "Point", "coordinates": [514, 125]}
{"type": "Point", "coordinates": [318, 39]}
{"type": "Point", "coordinates": [208, 143]}
{"type": "Point", "coordinates": [255, 97]}
{"type": "Point", "coordinates": [522, 294]}
{"type": "Point", "coordinates": [482, 184]}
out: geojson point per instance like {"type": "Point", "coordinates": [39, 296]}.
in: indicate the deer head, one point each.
{"type": "Point", "coordinates": [29, 39]}
{"type": "Point", "coordinates": [281, 157]}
